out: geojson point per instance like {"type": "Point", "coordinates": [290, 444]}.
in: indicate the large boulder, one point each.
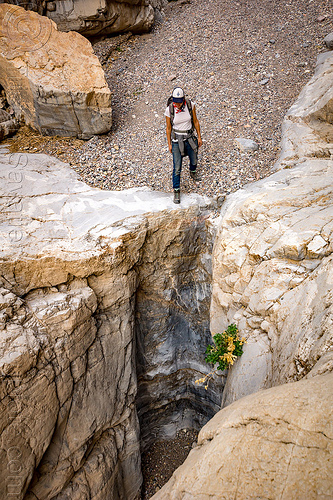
{"type": "Point", "coordinates": [52, 80]}
{"type": "Point", "coordinates": [98, 17]}
{"type": "Point", "coordinates": [105, 17]}
{"type": "Point", "coordinates": [274, 444]}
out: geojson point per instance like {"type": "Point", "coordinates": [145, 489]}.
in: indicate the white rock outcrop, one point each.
{"type": "Point", "coordinates": [52, 80]}
{"type": "Point", "coordinates": [307, 130]}
{"type": "Point", "coordinates": [273, 276]}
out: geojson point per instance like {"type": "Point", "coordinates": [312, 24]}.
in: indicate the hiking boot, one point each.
{"type": "Point", "coordinates": [194, 175]}
{"type": "Point", "coordinates": [176, 196]}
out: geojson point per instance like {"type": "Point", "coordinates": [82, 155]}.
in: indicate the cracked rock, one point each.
{"type": "Point", "coordinates": [52, 80]}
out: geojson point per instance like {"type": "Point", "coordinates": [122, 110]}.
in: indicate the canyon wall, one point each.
{"type": "Point", "coordinates": [95, 288]}
{"type": "Point", "coordinates": [273, 253]}
{"type": "Point", "coordinates": [172, 327]}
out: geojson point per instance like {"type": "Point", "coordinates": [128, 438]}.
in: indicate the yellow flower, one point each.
{"type": "Point", "coordinates": [229, 358]}
{"type": "Point", "coordinates": [231, 347]}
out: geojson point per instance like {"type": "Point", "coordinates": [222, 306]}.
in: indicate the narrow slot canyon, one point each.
{"type": "Point", "coordinates": [172, 333]}
{"type": "Point", "coordinates": [172, 330]}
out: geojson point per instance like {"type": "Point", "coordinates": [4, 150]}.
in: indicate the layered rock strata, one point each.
{"type": "Point", "coordinates": [172, 328]}
{"type": "Point", "coordinates": [82, 273]}
{"type": "Point", "coordinates": [52, 80]}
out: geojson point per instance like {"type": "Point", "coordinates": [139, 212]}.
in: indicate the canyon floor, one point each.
{"type": "Point", "coordinates": [243, 63]}
{"type": "Point", "coordinates": [161, 460]}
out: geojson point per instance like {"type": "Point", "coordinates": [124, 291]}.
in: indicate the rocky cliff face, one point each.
{"type": "Point", "coordinates": [172, 327]}
{"type": "Point", "coordinates": [98, 17]}
{"type": "Point", "coordinates": [273, 253]}
{"type": "Point", "coordinates": [90, 283]}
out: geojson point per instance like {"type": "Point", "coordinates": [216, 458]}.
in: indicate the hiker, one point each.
{"type": "Point", "coordinates": [181, 120]}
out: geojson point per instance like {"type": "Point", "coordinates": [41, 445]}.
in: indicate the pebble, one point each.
{"type": "Point", "coordinates": [246, 145]}
{"type": "Point", "coordinates": [328, 40]}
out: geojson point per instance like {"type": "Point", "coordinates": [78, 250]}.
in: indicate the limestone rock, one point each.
{"type": "Point", "coordinates": [93, 281]}
{"type": "Point", "coordinates": [52, 79]}
{"type": "Point", "coordinates": [307, 130]}
{"type": "Point", "coordinates": [246, 145]}
{"type": "Point", "coordinates": [276, 443]}
{"type": "Point", "coordinates": [99, 17]}
{"type": "Point", "coordinates": [273, 275]}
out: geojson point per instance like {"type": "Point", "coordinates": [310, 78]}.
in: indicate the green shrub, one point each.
{"type": "Point", "coordinates": [226, 349]}
{"type": "Point", "coordinates": [228, 346]}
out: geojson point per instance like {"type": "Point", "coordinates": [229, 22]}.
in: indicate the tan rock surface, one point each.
{"type": "Point", "coordinates": [274, 444]}
{"type": "Point", "coordinates": [72, 260]}
{"type": "Point", "coordinates": [105, 17]}
{"type": "Point", "coordinates": [52, 79]}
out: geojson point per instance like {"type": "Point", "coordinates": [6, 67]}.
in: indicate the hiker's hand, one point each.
{"type": "Point", "coordinates": [170, 148]}
{"type": "Point", "coordinates": [199, 142]}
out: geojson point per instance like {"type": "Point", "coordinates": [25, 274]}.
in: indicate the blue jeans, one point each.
{"type": "Point", "coordinates": [178, 160]}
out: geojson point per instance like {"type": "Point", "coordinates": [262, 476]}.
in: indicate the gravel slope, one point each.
{"type": "Point", "coordinates": [243, 62]}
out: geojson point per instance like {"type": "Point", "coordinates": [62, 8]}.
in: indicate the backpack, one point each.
{"type": "Point", "coordinates": [172, 109]}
